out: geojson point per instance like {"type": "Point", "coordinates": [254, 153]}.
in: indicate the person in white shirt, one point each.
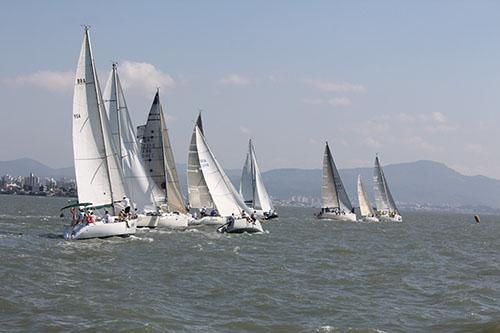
{"type": "Point", "coordinates": [126, 204]}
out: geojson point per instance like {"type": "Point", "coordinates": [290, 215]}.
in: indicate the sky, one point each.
{"type": "Point", "coordinates": [409, 80]}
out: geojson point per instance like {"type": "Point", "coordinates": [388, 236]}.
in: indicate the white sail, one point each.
{"type": "Point", "coordinates": [383, 197]}
{"type": "Point", "coordinates": [198, 193]}
{"type": "Point", "coordinates": [174, 193]}
{"type": "Point", "coordinates": [365, 206]}
{"type": "Point", "coordinates": [252, 187]}
{"type": "Point", "coordinates": [141, 189]}
{"type": "Point", "coordinates": [334, 194]}
{"type": "Point", "coordinates": [98, 174]}
{"type": "Point", "coordinates": [224, 195]}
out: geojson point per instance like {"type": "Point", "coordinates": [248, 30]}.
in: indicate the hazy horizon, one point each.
{"type": "Point", "coordinates": [411, 81]}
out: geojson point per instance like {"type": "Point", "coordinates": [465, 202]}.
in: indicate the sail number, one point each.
{"type": "Point", "coordinates": [80, 81]}
{"type": "Point", "coordinates": [204, 163]}
{"type": "Point", "coordinates": [76, 116]}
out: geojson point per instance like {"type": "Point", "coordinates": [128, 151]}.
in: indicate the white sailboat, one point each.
{"type": "Point", "coordinates": [98, 174]}
{"type": "Point", "coordinates": [365, 207]}
{"type": "Point", "coordinates": [198, 193]}
{"type": "Point", "coordinates": [252, 187]}
{"type": "Point", "coordinates": [227, 201]}
{"type": "Point", "coordinates": [141, 188]}
{"type": "Point", "coordinates": [386, 207]}
{"type": "Point", "coordinates": [158, 159]}
{"type": "Point", "coordinates": [335, 202]}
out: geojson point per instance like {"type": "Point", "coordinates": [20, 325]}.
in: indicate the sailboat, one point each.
{"type": "Point", "coordinates": [252, 187]}
{"type": "Point", "coordinates": [198, 193]}
{"type": "Point", "coordinates": [335, 202]}
{"type": "Point", "coordinates": [98, 174]}
{"type": "Point", "coordinates": [141, 188]}
{"type": "Point", "coordinates": [158, 159]}
{"type": "Point", "coordinates": [386, 207]}
{"type": "Point", "coordinates": [365, 207]}
{"type": "Point", "coordinates": [225, 198]}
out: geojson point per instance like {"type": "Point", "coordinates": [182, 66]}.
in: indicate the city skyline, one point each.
{"type": "Point", "coordinates": [386, 77]}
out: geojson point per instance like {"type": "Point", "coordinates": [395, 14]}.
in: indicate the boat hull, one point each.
{"type": "Point", "coordinates": [387, 218]}
{"type": "Point", "coordinates": [337, 217]}
{"type": "Point", "coordinates": [167, 220]}
{"type": "Point", "coordinates": [100, 230]}
{"type": "Point", "coordinates": [173, 221]}
{"type": "Point", "coordinates": [209, 220]}
{"type": "Point", "coordinates": [370, 219]}
{"type": "Point", "coordinates": [240, 226]}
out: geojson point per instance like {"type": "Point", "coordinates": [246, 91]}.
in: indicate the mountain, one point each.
{"type": "Point", "coordinates": [24, 166]}
{"type": "Point", "coordinates": [421, 182]}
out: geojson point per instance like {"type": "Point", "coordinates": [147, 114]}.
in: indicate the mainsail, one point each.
{"type": "Point", "coordinates": [98, 173]}
{"type": "Point", "coordinates": [141, 189]}
{"type": "Point", "coordinates": [383, 197]}
{"type": "Point", "coordinates": [252, 187]}
{"type": "Point", "coordinates": [224, 195]}
{"type": "Point", "coordinates": [333, 193]}
{"type": "Point", "coordinates": [198, 193]}
{"type": "Point", "coordinates": [158, 157]}
{"type": "Point", "coordinates": [365, 207]}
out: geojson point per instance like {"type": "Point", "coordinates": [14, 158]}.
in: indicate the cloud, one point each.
{"type": "Point", "coordinates": [421, 144]}
{"type": "Point", "coordinates": [475, 148]}
{"type": "Point", "coordinates": [332, 86]}
{"type": "Point", "coordinates": [244, 130]}
{"type": "Point", "coordinates": [333, 102]}
{"type": "Point", "coordinates": [235, 80]}
{"type": "Point", "coordinates": [339, 101]}
{"type": "Point", "coordinates": [372, 143]}
{"type": "Point", "coordinates": [54, 81]}
{"type": "Point", "coordinates": [143, 77]}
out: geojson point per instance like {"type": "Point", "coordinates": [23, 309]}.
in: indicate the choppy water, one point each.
{"type": "Point", "coordinates": [434, 272]}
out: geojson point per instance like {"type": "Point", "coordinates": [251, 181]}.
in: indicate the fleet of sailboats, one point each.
{"type": "Point", "coordinates": [127, 180]}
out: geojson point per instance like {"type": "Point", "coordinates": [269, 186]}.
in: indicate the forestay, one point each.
{"type": "Point", "coordinates": [98, 174]}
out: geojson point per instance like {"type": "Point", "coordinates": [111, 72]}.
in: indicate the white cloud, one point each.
{"type": "Point", "coordinates": [143, 77]}
{"type": "Point", "coordinates": [235, 80]}
{"type": "Point", "coordinates": [312, 141]}
{"type": "Point", "coordinates": [333, 102]}
{"type": "Point", "coordinates": [55, 81]}
{"type": "Point", "coordinates": [339, 102]}
{"type": "Point", "coordinates": [244, 130]}
{"type": "Point", "coordinates": [475, 148]}
{"type": "Point", "coordinates": [372, 143]}
{"type": "Point", "coordinates": [421, 144]}
{"type": "Point", "coordinates": [332, 86]}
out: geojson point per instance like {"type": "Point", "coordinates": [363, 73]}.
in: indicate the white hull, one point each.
{"type": "Point", "coordinates": [337, 217]}
{"type": "Point", "coordinates": [387, 218]}
{"type": "Point", "coordinates": [209, 220]}
{"type": "Point", "coordinates": [173, 221]}
{"type": "Point", "coordinates": [99, 229]}
{"type": "Point", "coordinates": [240, 226]}
{"type": "Point", "coordinates": [167, 220]}
{"type": "Point", "coordinates": [369, 219]}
